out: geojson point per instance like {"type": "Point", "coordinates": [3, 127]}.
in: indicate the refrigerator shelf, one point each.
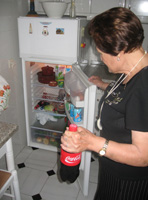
{"type": "Point", "coordinates": [44, 146]}
{"type": "Point", "coordinates": [46, 141]}
{"type": "Point", "coordinates": [50, 113]}
{"type": "Point", "coordinates": [48, 134]}
{"type": "Point", "coordinates": [50, 100]}
{"type": "Point", "coordinates": [45, 133]}
{"type": "Point", "coordinates": [51, 126]}
{"type": "Point", "coordinates": [45, 85]}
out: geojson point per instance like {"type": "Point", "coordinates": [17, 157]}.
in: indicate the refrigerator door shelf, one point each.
{"type": "Point", "coordinates": [76, 103]}
{"type": "Point", "coordinates": [75, 85]}
{"type": "Point", "coordinates": [75, 100]}
{"type": "Point", "coordinates": [72, 121]}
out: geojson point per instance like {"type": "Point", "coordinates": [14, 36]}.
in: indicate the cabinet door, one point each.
{"type": "Point", "coordinates": [99, 6]}
{"type": "Point", "coordinates": [82, 7]}
{"type": "Point", "coordinates": [139, 7]}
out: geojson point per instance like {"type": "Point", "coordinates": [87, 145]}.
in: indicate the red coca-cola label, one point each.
{"type": "Point", "coordinates": [70, 159]}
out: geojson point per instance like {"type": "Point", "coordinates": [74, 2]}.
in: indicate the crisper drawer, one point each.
{"type": "Point", "coordinates": [48, 134]}
{"type": "Point", "coordinates": [46, 137]}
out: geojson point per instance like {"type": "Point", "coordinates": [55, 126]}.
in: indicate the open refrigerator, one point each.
{"type": "Point", "coordinates": [59, 44]}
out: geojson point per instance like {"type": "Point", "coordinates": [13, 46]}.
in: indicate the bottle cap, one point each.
{"type": "Point", "coordinates": [73, 127]}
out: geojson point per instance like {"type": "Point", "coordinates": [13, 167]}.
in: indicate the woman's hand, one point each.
{"type": "Point", "coordinates": [96, 80]}
{"type": "Point", "coordinates": [75, 142]}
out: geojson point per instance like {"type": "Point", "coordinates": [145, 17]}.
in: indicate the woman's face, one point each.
{"type": "Point", "coordinates": [111, 62]}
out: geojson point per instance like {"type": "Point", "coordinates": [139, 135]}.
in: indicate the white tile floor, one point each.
{"type": "Point", "coordinates": [38, 176]}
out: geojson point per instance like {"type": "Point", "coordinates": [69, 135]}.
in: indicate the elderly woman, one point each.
{"type": "Point", "coordinates": [123, 143]}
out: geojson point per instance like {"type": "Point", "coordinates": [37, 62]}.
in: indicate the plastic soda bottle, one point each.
{"type": "Point", "coordinates": [70, 162]}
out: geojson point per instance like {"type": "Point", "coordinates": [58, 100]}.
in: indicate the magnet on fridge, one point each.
{"type": "Point", "coordinates": [30, 29]}
{"type": "Point", "coordinates": [45, 31]}
{"type": "Point", "coordinates": [60, 31]}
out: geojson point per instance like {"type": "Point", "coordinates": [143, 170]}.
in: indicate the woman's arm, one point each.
{"type": "Point", "coordinates": [135, 154]}
{"type": "Point", "coordinates": [96, 80]}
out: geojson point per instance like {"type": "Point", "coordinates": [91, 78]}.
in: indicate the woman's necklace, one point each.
{"type": "Point", "coordinates": [117, 83]}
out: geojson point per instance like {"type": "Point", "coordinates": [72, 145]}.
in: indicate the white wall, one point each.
{"type": "Point", "coordinates": [9, 11]}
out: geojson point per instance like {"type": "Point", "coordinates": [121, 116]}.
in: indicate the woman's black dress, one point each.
{"type": "Point", "coordinates": [124, 110]}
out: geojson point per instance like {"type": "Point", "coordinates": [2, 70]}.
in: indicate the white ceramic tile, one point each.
{"type": "Point", "coordinates": [5, 40]}
{"type": "Point", "coordinates": [11, 114]}
{"type": "Point", "coordinates": [16, 141]}
{"type": "Point", "coordinates": [42, 159]}
{"type": "Point", "coordinates": [82, 7]}
{"type": "Point", "coordinates": [56, 167]}
{"type": "Point", "coordinates": [23, 155]}
{"type": "Point", "coordinates": [31, 181]}
{"type": "Point", "coordinates": [94, 171]}
{"type": "Point", "coordinates": [91, 192]}
{"type": "Point", "coordinates": [3, 116]}
{"type": "Point", "coordinates": [22, 7]}
{"type": "Point", "coordinates": [25, 197]}
{"type": "Point", "coordinates": [5, 198]}
{"type": "Point", "coordinates": [56, 190]}
{"type": "Point", "coordinates": [3, 64]}
{"type": "Point", "coordinates": [17, 148]}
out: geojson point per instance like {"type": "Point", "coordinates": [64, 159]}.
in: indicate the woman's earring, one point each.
{"type": "Point", "coordinates": [118, 58]}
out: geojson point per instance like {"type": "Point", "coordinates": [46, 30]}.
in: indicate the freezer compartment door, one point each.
{"type": "Point", "coordinates": [50, 38]}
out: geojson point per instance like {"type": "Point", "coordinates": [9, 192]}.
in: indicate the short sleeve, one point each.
{"type": "Point", "coordinates": [4, 94]}
{"type": "Point", "coordinates": [137, 110]}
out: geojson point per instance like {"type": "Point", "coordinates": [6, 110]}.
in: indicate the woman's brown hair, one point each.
{"type": "Point", "coordinates": [115, 30]}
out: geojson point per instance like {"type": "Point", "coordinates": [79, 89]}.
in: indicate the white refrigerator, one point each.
{"type": "Point", "coordinates": [60, 44]}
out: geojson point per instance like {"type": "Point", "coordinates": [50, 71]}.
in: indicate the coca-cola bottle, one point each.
{"type": "Point", "coordinates": [70, 162]}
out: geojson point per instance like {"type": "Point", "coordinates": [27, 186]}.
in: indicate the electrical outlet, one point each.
{"type": "Point", "coordinates": [11, 63]}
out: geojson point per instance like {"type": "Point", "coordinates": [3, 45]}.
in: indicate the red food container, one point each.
{"type": "Point", "coordinates": [46, 71]}
{"type": "Point", "coordinates": [45, 79]}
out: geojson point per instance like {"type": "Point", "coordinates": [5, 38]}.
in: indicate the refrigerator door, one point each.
{"type": "Point", "coordinates": [83, 96]}
{"type": "Point", "coordinates": [55, 39]}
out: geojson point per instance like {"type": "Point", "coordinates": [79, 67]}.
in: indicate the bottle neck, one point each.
{"type": "Point", "coordinates": [32, 6]}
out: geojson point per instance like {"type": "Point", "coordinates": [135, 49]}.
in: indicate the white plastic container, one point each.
{"type": "Point", "coordinates": [74, 86]}
{"type": "Point", "coordinates": [54, 9]}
